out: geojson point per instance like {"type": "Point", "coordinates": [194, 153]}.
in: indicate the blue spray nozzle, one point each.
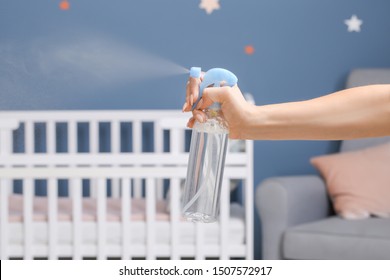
{"type": "Point", "coordinates": [213, 77]}
{"type": "Point", "coordinates": [195, 72]}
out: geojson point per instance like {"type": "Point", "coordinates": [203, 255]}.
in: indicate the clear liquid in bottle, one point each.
{"type": "Point", "coordinates": [205, 168]}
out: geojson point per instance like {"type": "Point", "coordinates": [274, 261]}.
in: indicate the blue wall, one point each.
{"type": "Point", "coordinates": [302, 50]}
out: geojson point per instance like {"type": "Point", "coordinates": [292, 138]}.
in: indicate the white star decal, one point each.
{"type": "Point", "coordinates": [353, 24]}
{"type": "Point", "coordinates": [209, 5]}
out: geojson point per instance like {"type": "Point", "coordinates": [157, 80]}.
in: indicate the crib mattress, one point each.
{"type": "Point", "coordinates": [138, 229]}
{"type": "Point", "coordinates": [89, 209]}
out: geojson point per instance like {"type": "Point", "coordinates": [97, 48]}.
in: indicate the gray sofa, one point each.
{"type": "Point", "coordinates": [297, 218]}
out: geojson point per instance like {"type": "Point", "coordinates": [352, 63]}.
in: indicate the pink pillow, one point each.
{"type": "Point", "coordinates": [358, 182]}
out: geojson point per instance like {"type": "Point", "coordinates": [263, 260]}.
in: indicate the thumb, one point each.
{"type": "Point", "coordinates": [212, 95]}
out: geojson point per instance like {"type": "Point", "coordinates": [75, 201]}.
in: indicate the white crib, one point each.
{"type": "Point", "coordinates": [118, 204]}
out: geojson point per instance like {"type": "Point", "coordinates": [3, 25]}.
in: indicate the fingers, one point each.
{"type": "Point", "coordinates": [187, 103]}
{"type": "Point", "coordinates": [184, 109]}
{"type": "Point", "coordinates": [198, 116]}
{"type": "Point", "coordinates": [191, 122]}
{"type": "Point", "coordinates": [192, 92]}
{"type": "Point", "coordinates": [213, 94]}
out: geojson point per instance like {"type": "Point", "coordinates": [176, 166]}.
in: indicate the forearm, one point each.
{"type": "Point", "coordinates": [353, 113]}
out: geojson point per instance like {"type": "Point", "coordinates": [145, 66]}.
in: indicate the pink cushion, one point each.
{"type": "Point", "coordinates": [358, 182]}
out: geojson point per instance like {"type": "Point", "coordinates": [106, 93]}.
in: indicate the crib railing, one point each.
{"type": "Point", "coordinates": [140, 154]}
{"type": "Point", "coordinates": [35, 140]}
{"type": "Point", "coordinates": [103, 250]}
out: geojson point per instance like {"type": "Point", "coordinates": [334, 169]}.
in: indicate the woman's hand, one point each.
{"type": "Point", "coordinates": [236, 110]}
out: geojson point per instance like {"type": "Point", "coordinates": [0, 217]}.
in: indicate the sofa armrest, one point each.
{"type": "Point", "coordinates": [283, 202]}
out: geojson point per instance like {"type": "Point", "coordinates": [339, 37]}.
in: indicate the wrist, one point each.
{"type": "Point", "coordinates": [255, 120]}
{"type": "Point", "coordinates": [268, 122]}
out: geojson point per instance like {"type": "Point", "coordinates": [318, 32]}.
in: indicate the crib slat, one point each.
{"type": "Point", "coordinates": [175, 218]}
{"type": "Point", "coordinates": [126, 214]}
{"type": "Point", "coordinates": [115, 149]}
{"type": "Point", "coordinates": [93, 188]}
{"type": "Point", "coordinates": [199, 241]}
{"type": "Point", "coordinates": [28, 188]}
{"type": "Point", "coordinates": [158, 137]}
{"type": "Point", "coordinates": [150, 218]}
{"type": "Point", "coordinates": [29, 137]}
{"type": "Point", "coordinates": [137, 189]}
{"type": "Point", "coordinates": [52, 192]}
{"type": "Point", "coordinates": [93, 149]}
{"type": "Point", "coordinates": [137, 148]}
{"type": "Point", "coordinates": [4, 186]}
{"type": "Point", "coordinates": [101, 217]}
{"type": "Point", "coordinates": [224, 219]}
{"type": "Point", "coordinates": [50, 137]}
{"type": "Point", "coordinates": [249, 217]}
{"type": "Point", "coordinates": [72, 143]}
{"type": "Point", "coordinates": [5, 142]}
{"type": "Point", "coordinates": [115, 187]}
{"type": "Point", "coordinates": [175, 143]}
{"type": "Point", "coordinates": [158, 148]}
{"type": "Point", "coordinates": [115, 137]}
{"type": "Point", "coordinates": [93, 137]}
{"type": "Point", "coordinates": [137, 137]}
{"type": "Point", "coordinates": [249, 200]}
{"type": "Point", "coordinates": [75, 185]}
{"type": "Point", "coordinates": [72, 137]}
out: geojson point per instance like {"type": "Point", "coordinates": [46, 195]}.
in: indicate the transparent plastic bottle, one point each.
{"type": "Point", "coordinates": [201, 197]}
{"type": "Point", "coordinates": [205, 168]}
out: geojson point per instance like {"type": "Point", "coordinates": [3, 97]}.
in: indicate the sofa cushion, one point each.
{"type": "Point", "coordinates": [358, 181]}
{"type": "Point", "coordinates": [336, 238]}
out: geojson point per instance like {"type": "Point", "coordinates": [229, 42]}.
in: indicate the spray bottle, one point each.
{"type": "Point", "coordinates": [207, 153]}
